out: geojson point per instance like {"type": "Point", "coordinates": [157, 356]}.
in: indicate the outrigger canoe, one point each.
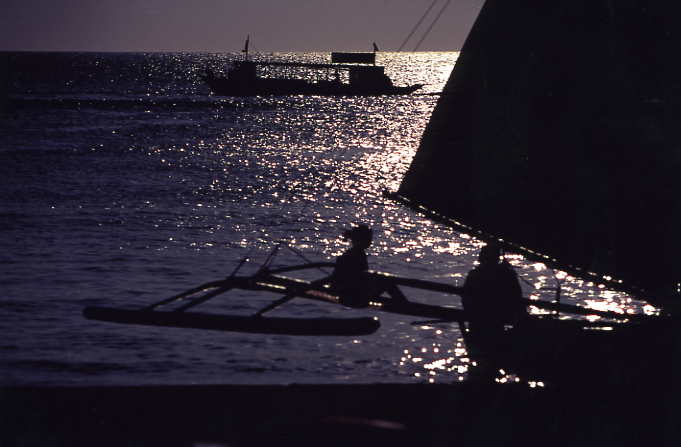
{"type": "Point", "coordinates": [272, 281]}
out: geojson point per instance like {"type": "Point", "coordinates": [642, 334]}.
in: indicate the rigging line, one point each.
{"type": "Point", "coordinates": [299, 253]}
{"type": "Point", "coordinates": [265, 265]}
{"type": "Point", "coordinates": [413, 30]}
{"type": "Point", "coordinates": [238, 267]}
{"type": "Point", "coordinates": [430, 28]}
{"type": "Point", "coordinates": [411, 33]}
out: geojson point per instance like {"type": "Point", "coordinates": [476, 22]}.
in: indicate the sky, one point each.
{"type": "Point", "coordinates": [222, 25]}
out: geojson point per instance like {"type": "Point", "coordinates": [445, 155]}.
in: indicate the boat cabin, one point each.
{"type": "Point", "coordinates": [373, 76]}
{"type": "Point", "coordinates": [352, 73]}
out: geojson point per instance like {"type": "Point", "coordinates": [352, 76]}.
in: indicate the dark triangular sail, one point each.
{"type": "Point", "coordinates": [560, 130]}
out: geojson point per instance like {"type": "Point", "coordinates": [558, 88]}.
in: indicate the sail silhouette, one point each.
{"type": "Point", "coordinates": [559, 131]}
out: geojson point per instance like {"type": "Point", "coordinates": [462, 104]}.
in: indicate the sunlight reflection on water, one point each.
{"type": "Point", "coordinates": [328, 170]}
{"type": "Point", "coordinates": [182, 193]}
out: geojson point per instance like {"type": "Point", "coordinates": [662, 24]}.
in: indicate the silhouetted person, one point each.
{"type": "Point", "coordinates": [492, 298]}
{"type": "Point", "coordinates": [492, 292]}
{"type": "Point", "coordinates": [350, 278]}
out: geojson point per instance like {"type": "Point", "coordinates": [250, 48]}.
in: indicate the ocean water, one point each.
{"type": "Point", "coordinates": [123, 182]}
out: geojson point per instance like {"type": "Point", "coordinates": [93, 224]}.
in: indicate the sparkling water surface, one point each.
{"type": "Point", "coordinates": [124, 182]}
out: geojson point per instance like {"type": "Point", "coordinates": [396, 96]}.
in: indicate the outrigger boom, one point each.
{"type": "Point", "coordinates": [270, 280]}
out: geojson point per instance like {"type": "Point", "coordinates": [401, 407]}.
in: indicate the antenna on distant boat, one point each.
{"type": "Point", "coordinates": [245, 50]}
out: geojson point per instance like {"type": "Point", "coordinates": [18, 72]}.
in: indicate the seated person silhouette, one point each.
{"type": "Point", "coordinates": [350, 279]}
{"type": "Point", "coordinates": [491, 293]}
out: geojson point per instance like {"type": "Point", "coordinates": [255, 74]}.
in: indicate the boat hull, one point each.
{"type": "Point", "coordinates": [284, 87]}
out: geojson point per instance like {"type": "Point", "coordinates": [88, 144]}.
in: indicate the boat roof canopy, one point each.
{"type": "Point", "coordinates": [315, 66]}
{"type": "Point", "coordinates": [354, 58]}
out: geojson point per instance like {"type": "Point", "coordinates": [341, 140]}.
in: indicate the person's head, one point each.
{"type": "Point", "coordinates": [359, 236]}
{"type": "Point", "coordinates": [490, 253]}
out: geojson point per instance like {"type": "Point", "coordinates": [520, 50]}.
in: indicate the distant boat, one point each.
{"type": "Point", "coordinates": [348, 74]}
